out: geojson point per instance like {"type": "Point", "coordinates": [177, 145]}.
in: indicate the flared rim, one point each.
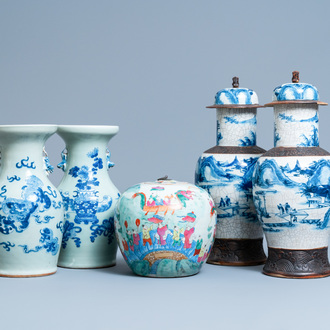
{"type": "Point", "coordinates": [38, 128]}
{"type": "Point", "coordinates": [88, 129]}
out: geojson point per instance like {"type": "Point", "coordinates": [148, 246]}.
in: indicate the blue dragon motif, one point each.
{"type": "Point", "coordinates": [17, 212]}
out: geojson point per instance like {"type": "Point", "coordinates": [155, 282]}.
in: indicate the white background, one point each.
{"type": "Point", "coordinates": [151, 67]}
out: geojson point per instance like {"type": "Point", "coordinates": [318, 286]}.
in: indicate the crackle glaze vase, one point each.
{"type": "Point", "coordinates": [225, 171]}
{"type": "Point", "coordinates": [89, 197]}
{"type": "Point", "coordinates": [31, 210]}
{"type": "Point", "coordinates": [291, 186]}
{"type": "Point", "coordinates": [165, 228]}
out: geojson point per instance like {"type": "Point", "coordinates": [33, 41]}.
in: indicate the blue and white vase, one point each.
{"type": "Point", "coordinates": [89, 197]}
{"type": "Point", "coordinates": [31, 210]}
{"type": "Point", "coordinates": [225, 171]}
{"type": "Point", "coordinates": [291, 187]}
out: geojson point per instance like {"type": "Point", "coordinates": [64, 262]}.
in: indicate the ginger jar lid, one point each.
{"type": "Point", "coordinates": [295, 92]}
{"type": "Point", "coordinates": [236, 97]}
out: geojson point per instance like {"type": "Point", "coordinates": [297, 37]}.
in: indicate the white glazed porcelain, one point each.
{"type": "Point", "coordinates": [89, 197]}
{"type": "Point", "coordinates": [31, 211]}
{"type": "Point", "coordinates": [291, 187]}
{"type": "Point", "coordinates": [225, 171]}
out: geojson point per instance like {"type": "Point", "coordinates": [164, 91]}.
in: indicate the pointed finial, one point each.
{"type": "Point", "coordinates": [295, 76]}
{"type": "Point", "coordinates": [235, 82]}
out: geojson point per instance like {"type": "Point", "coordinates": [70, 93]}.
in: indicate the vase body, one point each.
{"type": "Point", "coordinates": [89, 198]}
{"type": "Point", "coordinates": [31, 214]}
{"type": "Point", "coordinates": [225, 171]}
{"type": "Point", "coordinates": [165, 228]}
{"type": "Point", "coordinates": [291, 191]}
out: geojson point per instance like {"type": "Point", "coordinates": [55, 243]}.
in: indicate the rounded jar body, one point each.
{"type": "Point", "coordinates": [31, 214]}
{"type": "Point", "coordinates": [89, 198]}
{"type": "Point", "coordinates": [165, 228]}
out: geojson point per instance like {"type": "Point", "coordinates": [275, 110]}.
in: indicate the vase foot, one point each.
{"type": "Point", "coordinates": [86, 267]}
{"type": "Point", "coordinates": [287, 263]}
{"type": "Point", "coordinates": [237, 252]}
{"type": "Point", "coordinates": [29, 275]}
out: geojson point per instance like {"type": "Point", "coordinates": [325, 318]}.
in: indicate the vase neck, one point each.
{"type": "Point", "coordinates": [236, 127]}
{"type": "Point", "coordinates": [296, 125]}
{"type": "Point", "coordinates": [22, 155]}
{"type": "Point", "coordinates": [21, 149]}
{"type": "Point", "coordinates": [86, 150]}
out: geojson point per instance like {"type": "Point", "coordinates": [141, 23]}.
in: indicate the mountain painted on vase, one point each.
{"type": "Point", "coordinates": [219, 135]}
{"type": "Point", "coordinates": [268, 174]}
{"type": "Point", "coordinates": [248, 141]}
{"type": "Point", "coordinates": [209, 170]}
{"type": "Point", "coordinates": [312, 194]}
{"type": "Point", "coordinates": [311, 140]}
{"type": "Point", "coordinates": [319, 173]}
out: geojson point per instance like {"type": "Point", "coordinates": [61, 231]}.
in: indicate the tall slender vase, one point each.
{"type": "Point", "coordinates": [225, 171]}
{"type": "Point", "coordinates": [89, 197]}
{"type": "Point", "coordinates": [291, 187]}
{"type": "Point", "coordinates": [31, 211]}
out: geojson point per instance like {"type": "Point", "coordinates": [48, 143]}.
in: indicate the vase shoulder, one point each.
{"type": "Point", "coordinates": [235, 150]}
{"type": "Point", "coordinates": [296, 151]}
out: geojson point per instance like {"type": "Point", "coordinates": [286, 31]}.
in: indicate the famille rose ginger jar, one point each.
{"type": "Point", "coordinates": [225, 171]}
{"type": "Point", "coordinates": [89, 197]}
{"type": "Point", "coordinates": [165, 228]}
{"type": "Point", "coordinates": [291, 186]}
{"type": "Point", "coordinates": [31, 211]}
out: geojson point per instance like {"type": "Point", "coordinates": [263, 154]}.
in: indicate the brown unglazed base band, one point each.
{"type": "Point", "coordinates": [237, 252]}
{"type": "Point", "coordinates": [286, 263]}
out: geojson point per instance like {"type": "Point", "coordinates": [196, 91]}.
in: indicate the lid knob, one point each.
{"type": "Point", "coordinates": [235, 82]}
{"type": "Point", "coordinates": [164, 178]}
{"type": "Point", "coordinates": [295, 76]}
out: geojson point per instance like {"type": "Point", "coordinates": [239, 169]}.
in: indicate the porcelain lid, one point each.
{"type": "Point", "coordinates": [236, 97]}
{"type": "Point", "coordinates": [295, 92]}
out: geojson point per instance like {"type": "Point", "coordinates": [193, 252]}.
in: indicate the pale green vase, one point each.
{"type": "Point", "coordinates": [89, 198]}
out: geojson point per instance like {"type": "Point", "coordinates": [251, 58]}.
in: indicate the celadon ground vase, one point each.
{"type": "Point", "coordinates": [225, 171]}
{"type": "Point", "coordinates": [31, 211]}
{"type": "Point", "coordinates": [89, 197]}
{"type": "Point", "coordinates": [291, 187]}
{"type": "Point", "coordinates": [165, 228]}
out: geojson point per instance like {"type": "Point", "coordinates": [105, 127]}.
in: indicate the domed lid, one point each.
{"type": "Point", "coordinates": [236, 97]}
{"type": "Point", "coordinates": [295, 92]}
{"type": "Point", "coordinates": [163, 183]}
